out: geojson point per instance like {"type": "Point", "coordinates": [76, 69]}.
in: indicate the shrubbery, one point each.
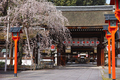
{"type": "Point", "coordinates": [2, 64]}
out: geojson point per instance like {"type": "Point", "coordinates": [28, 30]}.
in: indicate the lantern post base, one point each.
{"type": "Point", "coordinates": [15, 74]}
{"type": "Point", "coordinates": [109, 75]}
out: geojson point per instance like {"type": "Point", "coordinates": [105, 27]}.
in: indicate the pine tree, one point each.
{"type": "Point", "coordinates": [64, 2]}
{"type": "Point", "coordinates": [77, 2]}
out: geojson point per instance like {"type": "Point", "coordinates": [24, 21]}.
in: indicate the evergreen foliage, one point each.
{"type": "Point", "coordinates": [64, 2]}
{"type": "Point", "coordinates": [77, 2]}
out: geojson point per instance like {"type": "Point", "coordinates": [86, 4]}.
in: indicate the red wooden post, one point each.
{"type": "Point", "coordinates": [112, 30]}
{"type": "Point", "coordinates": [15, 60]}
{"type": "Point", "coordinates": [108, 36]}
{"type": "Point", "coordinates": [15, 38]}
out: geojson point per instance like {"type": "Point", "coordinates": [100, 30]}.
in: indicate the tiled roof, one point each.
{"type": "Point", "coordinates": [86, 8]}
{"type": "Point", "coordinates": [86, 18]}
{"type": "Point", "coordinates": [86, 15]}
{"type": "Point", "coordinates": [110, 17]}
{"type": "Point", "coordinates": [15, 29]}
{"type": "Point", "coordinates": [105, 27]}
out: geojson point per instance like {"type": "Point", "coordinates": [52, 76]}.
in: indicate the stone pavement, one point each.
{"type": "Point", "coordinates": [104, 72]}
{"type": "Point", "coordinates": [79, 72]}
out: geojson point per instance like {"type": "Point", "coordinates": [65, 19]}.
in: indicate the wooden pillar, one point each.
{"type": "Point", "coordinates": [102, 57]}
{"type": "Point", "coordinates": [58, 57]}
{"type": "Point", "coordinates": [98, 56]}
{"type": "Point", "coordinates": [63, 57]}
{"type": "Point", "coordinates": [58, 60]}
{"type": "Point", "coordinates": [11, 53]}
{"type": "Point", "coordinates": [63, 60]}
{"type": "Point", "coordinates": [100, 51]}
{"type": "Point", "coordinates": [34, 55]}
{"type": "Point", "coordinates": [89, 54]}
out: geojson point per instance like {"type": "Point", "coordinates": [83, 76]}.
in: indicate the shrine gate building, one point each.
{"type": "Point", "coordinates": [86, 27]}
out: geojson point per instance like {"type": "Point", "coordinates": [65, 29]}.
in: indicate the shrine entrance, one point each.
{"type": "Point", "coordinates": [85, 25]}
{"type": "Point", "coordinates": [86, 46]}
{"type": "Point", "coordinates": [81, 55]}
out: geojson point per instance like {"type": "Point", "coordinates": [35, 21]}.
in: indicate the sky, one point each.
{"type": "Point", "coordinates": [108, 1]}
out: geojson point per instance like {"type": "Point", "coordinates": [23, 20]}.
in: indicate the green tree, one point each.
{"type": "Point", "coordinates": [77, 2]}
{"type": "Point", "coordinates": [90, 2]}
{"type": "Point", "coordinates": [100, 2]}
{"type": "Point", "coordinates": [64, 2]}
